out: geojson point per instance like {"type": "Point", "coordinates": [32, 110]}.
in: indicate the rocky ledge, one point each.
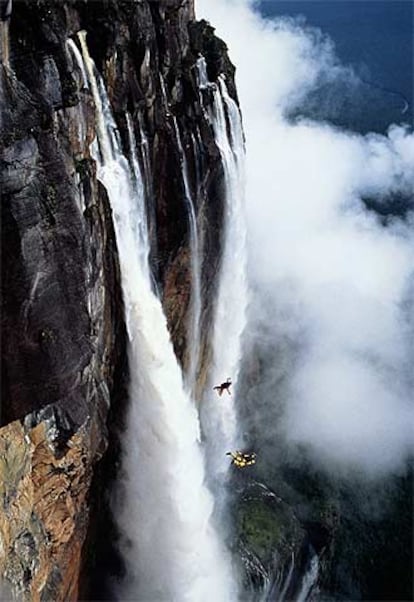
{"type": "Point", "coordinates": [44, 486]}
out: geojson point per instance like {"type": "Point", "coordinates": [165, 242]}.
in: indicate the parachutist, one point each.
{"type": "Point", "coordinates": [223, 387]}
{"type": "Point", "coordinates": [242, 460]}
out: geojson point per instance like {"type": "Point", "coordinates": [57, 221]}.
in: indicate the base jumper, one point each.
{"type": "Point", "coordinates": [242, 460]}
{"type": "Point", "coordinates": [223, 387]}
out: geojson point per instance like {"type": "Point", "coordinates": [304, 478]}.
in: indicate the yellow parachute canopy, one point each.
{"type": "Point", "coordinates": [241, 460]}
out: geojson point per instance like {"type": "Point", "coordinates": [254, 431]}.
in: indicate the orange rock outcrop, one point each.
{"type": "Point", "coordinates": [43, 503]}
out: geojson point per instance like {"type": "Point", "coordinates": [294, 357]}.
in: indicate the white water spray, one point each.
{"type": "Point", "coordinates": [288, 579]}
{"type": "Point", "coordinates": [203, 81]}
{"type": "Point", "coordinates": [79, 61]}
{"type": "Point", "coordinates": [103, 138]}
{"type": "Point", "coordinates": [139, 189]}
{"type": "Point", "coordinates": [219, 419]}
{"type": "Point", "coordinates": [149, 189]}
{"type": "Point", "coordinates": [195, 309]}
{"type": "Point", "coordinates": [5, 33]}
{"type": "Point", "coordinates": [80, 109]}
{"type": "Point", "coordinates": [145, 157]}
{"type": "Point", "coordinates": [172, 552]}
{"type": "Point", "coordinates": [309, 578]}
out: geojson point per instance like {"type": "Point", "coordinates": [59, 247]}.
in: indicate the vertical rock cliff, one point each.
{"type": "Point", "coordinates": [64, 365]}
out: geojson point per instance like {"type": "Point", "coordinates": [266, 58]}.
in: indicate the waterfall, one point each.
{"type": "Point", "coordinates": [193, 344]}
{"type": "Point", "coordinates": [104, 140]}
{"type": "Point", "coordinates": [5, 43]}
{"type": "Point", "coordinates": [79, 61]}
{"type": "Point", "coordinates": [171, 550]}
{"type": "Point", "coordinates": [288, 579]}
{"type": "Point", "coordinates": [280, 585]}
{"type": "Point", "coordinates": [6, 11]}
{"type": "Point", "coordinates": [203, 81]}
{"type": "Point", "coordinates": [139, 190]}
{"type": "Point", "coordinates": [145, 158]}
{"type": "Point", "coordinates": [197, 146]}
{"type": "Point", "coordinates": [149, 195]}
{"type": "Point", "coordinates": [309, 578]}
{"type": "Point", "coordinates": [81, 119]}
{"type": "Point", "coordinates": [219, 419]}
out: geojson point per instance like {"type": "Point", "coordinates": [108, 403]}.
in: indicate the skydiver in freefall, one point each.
{"type": "Point", "coordinates": [223, 387]}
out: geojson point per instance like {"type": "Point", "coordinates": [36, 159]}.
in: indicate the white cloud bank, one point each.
{"type": "Point", "coordinates": [341, 279]}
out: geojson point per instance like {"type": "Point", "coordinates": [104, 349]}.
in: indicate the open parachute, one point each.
{"type": "Point", "coordinates": [241, 460]}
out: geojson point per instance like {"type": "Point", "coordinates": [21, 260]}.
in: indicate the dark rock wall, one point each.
{"type": "Point", "coordinates": [63, 337]}
{"type": "Point", "coordinates": [60, 277]}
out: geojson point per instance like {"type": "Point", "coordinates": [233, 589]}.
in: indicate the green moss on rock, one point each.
{"type": "Point", "coordinates": [267, 527]}
{"type": "Point", "coordinates": [260, 528]}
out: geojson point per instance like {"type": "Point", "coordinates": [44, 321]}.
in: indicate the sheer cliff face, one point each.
{"type": "Point", "coordinates": [63, 336]}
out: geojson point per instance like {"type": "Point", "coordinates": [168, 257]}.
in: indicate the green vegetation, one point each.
{"type": "Point", "coordinates": [259, 528]}
{"type": "Point", "coordinates": [267, 527]}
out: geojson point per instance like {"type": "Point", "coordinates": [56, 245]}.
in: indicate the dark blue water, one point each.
{"type": "Point", "coordinates": [376, 38]}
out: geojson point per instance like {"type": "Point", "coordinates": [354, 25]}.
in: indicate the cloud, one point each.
{"type": "Point", "coordinates": [338, 278]}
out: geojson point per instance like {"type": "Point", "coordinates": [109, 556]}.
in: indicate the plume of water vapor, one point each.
{"type": "Point", "coordinates": [333, 281]}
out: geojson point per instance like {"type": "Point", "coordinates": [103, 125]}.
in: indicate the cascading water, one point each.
{"type": "Point", "coordinates": [195, 309]}
{"type": "Point", "coordinates": [145, 159]}
{"type": "Point", "coordinates": [309, 578]}
{"type": "Point", "coordinates": [78, 57]}
{"type": "Point", "coordinates": [139, 192]}
{"type": "Point", "coordinates": [288, 579]}
{"type": "Point", "coordinates": [219, 421]}
{"type": "Point", "coordinates": [171, 549]}
{"type": "Point", "coordinates": [148, 193]}
{"type": "Point", "coordinates": [280, 586]}
{"type": "Point", "coordinates": [6, 11]}
{"type": "Point", "coordinates": [81, 121]}
{"type": "Point", "coordinates": [203, 81]}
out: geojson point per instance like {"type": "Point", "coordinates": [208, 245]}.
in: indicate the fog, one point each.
{"type": "Point", "coordinates": [333, 280]}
